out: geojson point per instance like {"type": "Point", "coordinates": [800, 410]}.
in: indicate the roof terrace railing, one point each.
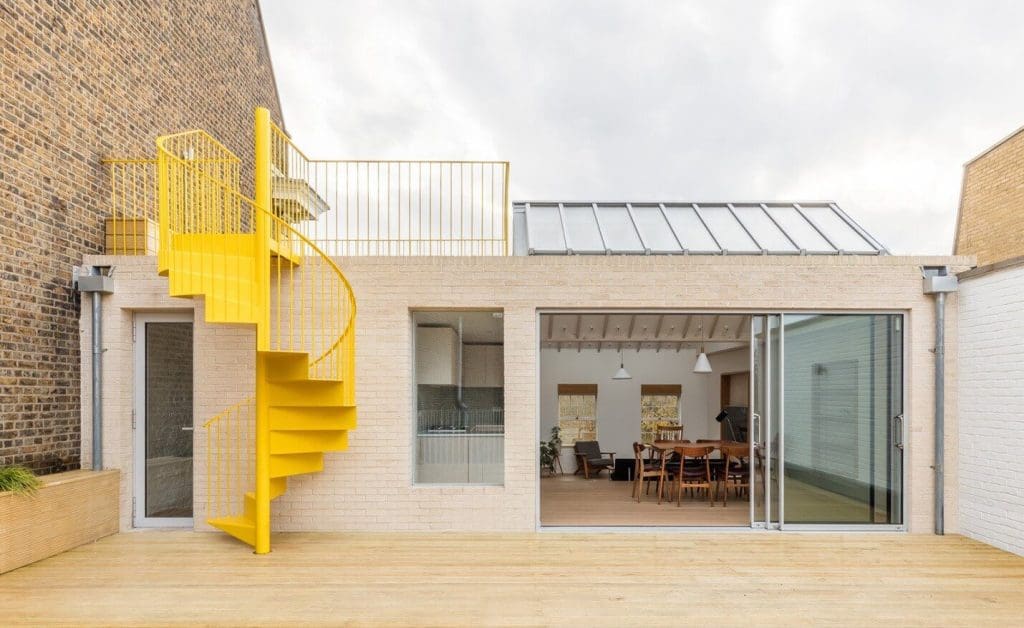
{"type": "Point", "coordinates": [349, 207]}
{"type": "Point", "coordinates": [393, 207]}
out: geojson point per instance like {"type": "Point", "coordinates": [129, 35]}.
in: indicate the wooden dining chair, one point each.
{"type": "Point", "coordinates": [669, 431]}
{"type": "Point", "coordinates": [694, 470]}
{"type": "Point", "coordinates": [716, 463]}
{"type": "Point", "coordinates": [644, 471]}
{"type": "Point", "coordinates": [736, 472]}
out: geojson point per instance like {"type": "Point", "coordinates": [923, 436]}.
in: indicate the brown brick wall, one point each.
{"type": "Point", "coordinates": [991, 221]}
{"type": "Point", "coordinates": [82, 81]}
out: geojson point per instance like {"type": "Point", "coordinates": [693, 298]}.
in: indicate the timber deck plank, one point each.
{"type": "Point", "coordinates": [446, 579]}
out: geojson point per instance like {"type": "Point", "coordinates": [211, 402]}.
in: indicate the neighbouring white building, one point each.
{"type": "Point", "coordinates": [991, 329]}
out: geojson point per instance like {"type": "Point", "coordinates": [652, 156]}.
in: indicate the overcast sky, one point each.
{"type": "Point", "coordinates": [873, 105]}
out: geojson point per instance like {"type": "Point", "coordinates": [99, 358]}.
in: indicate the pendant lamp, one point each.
{"type": "Point", "coordinates": [702, 365]}
{"type": "Point", "coordinates": [622, 373]}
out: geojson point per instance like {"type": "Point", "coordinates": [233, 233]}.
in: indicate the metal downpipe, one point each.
{"type": "Point", "coordinates": [938, 281]}
{"type": "Point", "coordinates": [97, 381]}
{"type": "Point", "coordinates": [97, 280]}
{"type": "Point", "coordinates": [940, 410]}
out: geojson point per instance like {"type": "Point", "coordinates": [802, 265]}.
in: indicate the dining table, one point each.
{"type": "Point", "coordinates": [671, 445]}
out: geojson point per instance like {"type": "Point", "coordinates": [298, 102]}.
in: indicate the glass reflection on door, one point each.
{"type": "Point", "coordinates": [167, 421]}
{"type": "Point", "coordinates": [842, 402]}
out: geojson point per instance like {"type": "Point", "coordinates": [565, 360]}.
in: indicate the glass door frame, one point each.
{"type": "Point", "coordinates": [764, 423]}
{"type": "Point", "coordinates": [897, 444]}
{"type": "Point", "coordinates": [139, 518]}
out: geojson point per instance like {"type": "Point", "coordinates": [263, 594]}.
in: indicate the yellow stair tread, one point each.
{"type": "Point", "coordinates": [301, 442]}
{"type": "Point", "coordinates": [285, 465]}
{"type": "Point", "coordinates": [241, 527]}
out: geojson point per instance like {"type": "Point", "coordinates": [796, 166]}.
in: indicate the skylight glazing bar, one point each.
{"type": "Point", "coordinates": [764, 208]}
{"type": "Point", "coordinates": [636, 227]}
{"type": "Point", "coordinates": [853, 225]}
{"type": "Point", "coordinates": [801, 211]}
{"type": "Point", "coordinates": [600, 229]}
{"type": "Point", "coordinates": [696, 210]}
{"type": "Point", "coordinates": [732, 212]}
{"type": "Point", "coordinates": [671, 229]}
{"type": "Point", "coordinates": [565, 231]}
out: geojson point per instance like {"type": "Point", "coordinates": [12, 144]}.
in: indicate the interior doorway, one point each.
{"type": "Point", "coordinates": [805, 408]}
{"type": "Point", "coordinates": [612, 381]}
{"type": "Point", "coordinates": [163, 420]}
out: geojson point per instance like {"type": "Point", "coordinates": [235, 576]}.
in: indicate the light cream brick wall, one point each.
{"type": "Point", "coordinates": [369, 487]}
{"type": "Point", "coordinates": [223, 370]}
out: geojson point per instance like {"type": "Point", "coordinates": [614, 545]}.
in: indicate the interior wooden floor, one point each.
{"type": "Point", "coordinates": [570, 500]}
{"type": "Point", "coordinates": [181, 577]}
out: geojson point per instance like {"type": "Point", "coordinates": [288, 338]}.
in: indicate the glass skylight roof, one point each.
{"type": "Point", "coordinates": [553, 228]}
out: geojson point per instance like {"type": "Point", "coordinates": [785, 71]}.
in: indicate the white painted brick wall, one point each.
{"type": "Point", "coordinates": [991, 391]}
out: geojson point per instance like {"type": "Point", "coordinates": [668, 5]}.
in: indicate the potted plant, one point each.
{"type": "Point", "coordinates": [18, 480]}
{"type": "Point", "coordinates": [550, 452]}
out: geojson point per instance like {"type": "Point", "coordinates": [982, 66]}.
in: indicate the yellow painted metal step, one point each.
{"type": "Point", "coordinates": [307, 418]}
{"type": "Point", "coordinates": [285, 465]}
{"type": "Point", "coordinates": [308, 442]}
{"type": "Point", "coordinates": [241, 527]}
{"type": "Point", "coordinates": [237, 244]}
{"type": "Point", "coordinates": [278, 486]}
{"type": "Point", "coordinates": [286, 366]}
{"type": "Point", "coordinates": [220, 310]}
{"type": "Point", "coordinates": [310, 392]}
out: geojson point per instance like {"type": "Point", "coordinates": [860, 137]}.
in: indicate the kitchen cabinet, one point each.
{"type": "Point", "coordinates": [437, 356]}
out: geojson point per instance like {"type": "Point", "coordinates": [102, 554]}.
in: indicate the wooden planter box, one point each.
{"type": "Point", "coordinates": [69, 510]}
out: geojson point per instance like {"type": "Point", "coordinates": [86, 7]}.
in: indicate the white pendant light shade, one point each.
{"type": "Point", "coordinates": [622, 373]}
{"type": "Point", "coordinates": [703, 365]}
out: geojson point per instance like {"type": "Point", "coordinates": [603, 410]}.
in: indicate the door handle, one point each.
{"type": "Point", "coordinates": [188, 428]}
{"type": "Point", "coordinates": [897, 431]}
{"type": "Point", "coordinates": [756, 420]}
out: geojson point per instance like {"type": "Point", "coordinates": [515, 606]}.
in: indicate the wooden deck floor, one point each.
{"type": "Point", "coordinates": [522, 579]}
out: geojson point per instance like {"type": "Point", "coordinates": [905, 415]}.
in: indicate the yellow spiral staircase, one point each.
{"type": "Point", "coordinates": [252, 267]}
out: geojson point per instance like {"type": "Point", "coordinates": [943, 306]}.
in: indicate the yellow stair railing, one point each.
{"type": "Point", "coordinates": [253, 267]}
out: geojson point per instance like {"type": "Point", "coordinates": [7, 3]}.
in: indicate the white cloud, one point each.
{"type": "Point", "coordinates": [875, 105]}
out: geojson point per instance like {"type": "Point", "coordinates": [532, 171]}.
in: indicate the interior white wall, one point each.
{"type": "Point", "coordinates": [618, 402]}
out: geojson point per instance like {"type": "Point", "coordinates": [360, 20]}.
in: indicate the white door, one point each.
{"type": "Point", "coordinates": [163, 420]}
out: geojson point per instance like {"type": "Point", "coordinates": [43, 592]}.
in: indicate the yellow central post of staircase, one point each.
{"type": "Point", "coordinates": [263, 199]}
{"type": "Point", "coordinates": [253, 267]}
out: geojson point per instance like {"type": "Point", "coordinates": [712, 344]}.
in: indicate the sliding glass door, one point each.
{"type": "Point", "coordinates": [843, 400]}
{"type": "Point", "coordinates": [827, 420]}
